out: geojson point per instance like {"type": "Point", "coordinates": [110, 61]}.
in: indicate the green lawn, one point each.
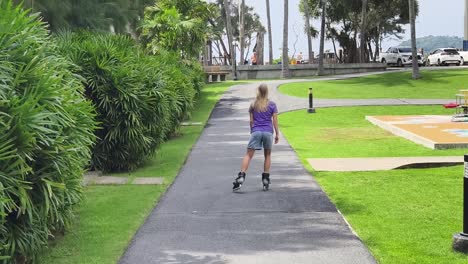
{"type": "Point", "coordinates": [111, 215]}
{"type": "Point", "coordinates": [434, 84]}
{"type": "Point", "coordinates": [106, 222]}
{"type": "Point", "coordinates": [403, 216]}
{"type": "Point", "coordinates": [343, 132]}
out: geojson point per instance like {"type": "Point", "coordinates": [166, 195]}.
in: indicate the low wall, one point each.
{"type": "Point", "coordinates": [252, 72]}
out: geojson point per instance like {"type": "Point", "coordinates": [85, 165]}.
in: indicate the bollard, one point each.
{"type": "Point", "coordinates": [311, 109]}
{"type": "Point", "coordinates": [460, 240]}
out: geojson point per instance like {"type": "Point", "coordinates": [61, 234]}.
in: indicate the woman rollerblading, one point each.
{"type": "Point", "coordinates": [263, 125]}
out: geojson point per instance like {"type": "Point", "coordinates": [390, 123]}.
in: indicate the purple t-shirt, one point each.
{"type": "Point", "coordinates": [262, 121]}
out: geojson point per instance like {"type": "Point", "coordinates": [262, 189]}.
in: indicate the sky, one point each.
{"type": "Point", "coordinates": [438, 18]}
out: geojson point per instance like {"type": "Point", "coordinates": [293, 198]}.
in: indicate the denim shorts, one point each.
{"type": "Point", "coordinates": [259, 139]}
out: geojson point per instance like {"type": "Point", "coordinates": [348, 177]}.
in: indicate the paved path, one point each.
{"type": "Point", "coordinates": [200, 220]}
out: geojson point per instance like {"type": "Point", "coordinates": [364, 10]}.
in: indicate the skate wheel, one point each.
{"type": "Point", "coordinates": [236, 188]}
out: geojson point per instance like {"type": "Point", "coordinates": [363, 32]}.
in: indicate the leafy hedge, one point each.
{"type": "Point", "coordinates": [140, 99]}
{"type": "Point", "coordinates": [46, 130]}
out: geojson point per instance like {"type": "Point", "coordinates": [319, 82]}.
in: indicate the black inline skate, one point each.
{"type": "Point", "coordinates": [266, 181]}
{"type": "Point", "coordinates": [238, 181]}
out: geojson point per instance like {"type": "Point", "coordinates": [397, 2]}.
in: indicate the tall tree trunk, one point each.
{"type": "Point", "coordinates": [220, 40]}
{"type": "Point", "coordinates": [270, 41]}
{"type": "Point", "coordinates": [241, 31]}
{"type": "Point", "coordinates": [371, 52]}
{"type": "Point", "coordinates": [355, 55]}
{"type": "Point", "coordinates": [362, 52]}
{"type": "Point", "coordinates": [229, 36]}
{"type": "Point", "coordinates": [260, 48]}
{"type": "Point", "coordinates": [307, 25]}
{"type": "Point", "coordinates": [465, 41]}
{"type": "Point", "coordinates": [334, 50]}
{"type": "Point", "coordinates": [285, 64]}
{"type": "Point", "coordinates": [377, 46]}
{"type": "Point", "coordinates": [416, 74]}
{"type": "Point", "coordinates": [322, 39]}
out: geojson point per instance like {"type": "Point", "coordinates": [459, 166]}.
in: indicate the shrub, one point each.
{"type": "Point", "coordinates": [140, 99]}
{"type": "Point", "coordinates": [46, 130]}
{"type": "Point", "coordinates": [177, 79]}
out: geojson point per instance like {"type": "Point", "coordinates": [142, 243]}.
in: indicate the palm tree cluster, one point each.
{"type": "Point", "coordinates": [177, 26]}
{"type": "Point", "coordinates": [226, 25]}
{"type": "Point", "coordinates": [359, 26]}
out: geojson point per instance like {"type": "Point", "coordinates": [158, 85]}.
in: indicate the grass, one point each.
{"type": "Point", "coordinates": [343, 132]}
{"type": "Point", "coordinates": [107, 221]}
{"type": "Point", "coordinates": [434, 84]}
{"type": "Point", "coordinates": [403, 216]}
{"type": "Point", "coordinates": [110, 215]}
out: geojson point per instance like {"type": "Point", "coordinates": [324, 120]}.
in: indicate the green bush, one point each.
{"type": "Point", "coordinates": [140, 99]}
{"type": "Point", "coordinates": [179, 80]}
{"type": "Point", "coordinates": [46, 130]}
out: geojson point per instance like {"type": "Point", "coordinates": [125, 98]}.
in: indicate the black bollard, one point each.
{"type": "Point", "coordinates": [460, 240]}
{"type": "Point", "coordinates": [311, 109]}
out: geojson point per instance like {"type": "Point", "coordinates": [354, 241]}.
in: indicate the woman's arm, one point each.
{"type": "Point", "coordinates": [275, 125]}
{"type": "Point", "coordinates": [251, 121]}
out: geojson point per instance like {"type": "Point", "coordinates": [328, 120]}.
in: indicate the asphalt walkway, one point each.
{"type": "Point", "coordinates": [200, 220]}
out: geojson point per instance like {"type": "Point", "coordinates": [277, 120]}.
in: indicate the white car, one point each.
{"type": "Point", "coordinates": [399, 56]}
{"type": "Point", "coordinates": [444, 56]}
{"type": "Point", "coordinates": [464, 56]}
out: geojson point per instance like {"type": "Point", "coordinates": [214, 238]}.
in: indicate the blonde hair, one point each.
{"type": "Point", "coordinates": [261, 102]}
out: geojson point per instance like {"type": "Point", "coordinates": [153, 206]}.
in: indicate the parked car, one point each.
{"type": "Point", "coordinates": [464, 57]}
{"type": "Point", "coordinates": [444, 56]}
{"type": "Point", "coordinates": [399, 56]}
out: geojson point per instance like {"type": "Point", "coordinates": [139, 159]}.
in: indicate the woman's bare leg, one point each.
{"type": "Point", "coordinates": [267, 163]}
{"type": "Point", "coordinates": [246, 160]}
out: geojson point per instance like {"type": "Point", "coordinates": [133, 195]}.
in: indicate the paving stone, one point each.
{"type": "Point", "coordinates": [148, 181]}
{"type": "Point", "coordinates": [381, 163]}
{"type": "Point", "coordinates": [191, 123]}
{"type": "Point", "coordinates": [105, 180]}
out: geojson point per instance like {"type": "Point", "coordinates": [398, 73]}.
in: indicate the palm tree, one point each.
{"type": "Point", "coordinates": [242, 30]}
{"type": "Point", "coordinates": [285, 62]}
{"type": "Point", "coordinates": [416, 74]}
{"type": "Point", "coordinates": [270, 41]}
{"type": "Point", "coordinates": [320, 70]}
{"type": "Point", "coordinates": [168, 29]}
{"type": "Point", "coordinates": [308, 29]}
{"type": "Point", "coordinates": [363, 41]}
{"type": "Point", "coordinates": [229, 36]}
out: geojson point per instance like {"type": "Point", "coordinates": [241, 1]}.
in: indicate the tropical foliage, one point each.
{"type": "Point", "coordinates": [139, 99]}
{"type": "Point", "coordinates": [120, 15]}
{"type": "Point", "coordinates": [343, 20]}
{"type": "Point", "coordinates": [252, 25]}
{"type": "Point", "coordinates": [177, 26]}
{"type": "Point", "coordinates": [46, 130]}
